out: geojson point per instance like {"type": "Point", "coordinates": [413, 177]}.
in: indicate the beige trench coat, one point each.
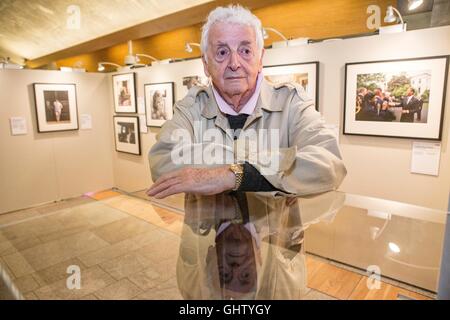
{"type": "Point", "coordinates": [307, 154]}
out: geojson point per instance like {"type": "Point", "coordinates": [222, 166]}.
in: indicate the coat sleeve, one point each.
{"type": "Point", "coordinates": [312, 163]}
{"type": "Point", "coordinates": [161, 153]}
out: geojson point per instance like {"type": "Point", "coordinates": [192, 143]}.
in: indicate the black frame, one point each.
{"type": "Point", "coordinates": [441, 123]}
{"type": "Point", "coordinates": [36, 108]}
{"type": "Point", "coordinates": [145, 98]}
{"type": "Point", "coordinates": [138, 133]}
{"type": "Point", "coordinates": [317, 63]}
{"type": "Point", "coordinates": [134, 92]}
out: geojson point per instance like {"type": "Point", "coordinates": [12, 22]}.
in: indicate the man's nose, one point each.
{"type": "Point", "coordinates": [234, 63]}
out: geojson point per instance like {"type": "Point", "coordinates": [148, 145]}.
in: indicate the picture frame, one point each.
{"type": "Point", "coordinates": [159, 100]}
{"type": "Point", "coordinates": [126, 134]}
{"type": "Point", "coordinates": [124, 91]}
{"type": "Point", "coordinates": [399, 98]}
{"type": "Point", "coordinates": [306, 74]}
{"type": "Point", "coordinates": [56, 107]}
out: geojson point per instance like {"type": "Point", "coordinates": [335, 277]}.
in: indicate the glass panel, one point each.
{"type": "Point", "coordinates": [228, 246]}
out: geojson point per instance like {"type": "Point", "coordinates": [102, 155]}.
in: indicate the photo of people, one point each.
{"type": "Point", "coordinates": [393, 97]}
{"type": "Point", "coordinates": [300, 78]}
{"type": "Point", "coordinates": [191, 81]}
{"type": "Point", "coordinates": [304, 74]}
{"type": "Point", "coordinates": [124, 93]}
{"type": "Point", "coordinates": [159, 99]}
{"type": "Point", "coordinates": [56, 106]}
{"type": "Point", "coordinates": [158, 105]}
{"type": "Point", "coordinates": [126, 130]}
{"type": "Point", "coordinates": [126, 133]}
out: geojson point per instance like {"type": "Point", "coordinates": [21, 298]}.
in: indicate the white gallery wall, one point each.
{"type": "Point", "coordinates": [41, 167]}
{"type": "Point", "coordinates": [378, 167]}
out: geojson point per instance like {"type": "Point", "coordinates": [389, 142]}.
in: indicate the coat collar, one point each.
{"type": "Point", "coordinates": [265, 101]}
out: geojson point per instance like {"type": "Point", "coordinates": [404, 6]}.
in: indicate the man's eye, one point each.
{"type": "Point", "coordinates": [246, 51]}
{"type": "Point", "coordinates": [222, 52]}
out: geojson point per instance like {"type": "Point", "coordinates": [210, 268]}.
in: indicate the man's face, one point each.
{"type": "Point", "coordinates": [409, 92]}
{"type": "Point", "coordinates": [233, 60]}
{"type": "Point", "coordinates": [236, 261]}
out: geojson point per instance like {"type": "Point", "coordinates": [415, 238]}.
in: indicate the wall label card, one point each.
{"type": "Point", "coordinates": [143, 123]}
{"type": "Point", "coordinates": [85, 121]}
{"type": "Point", "coordinates": [141, 105]}
{"type": "Point", "coordinates": [425, 158]}
{"type": "Point", "coordinates": [18, 126]}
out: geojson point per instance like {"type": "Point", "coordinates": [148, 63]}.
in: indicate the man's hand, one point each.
{"type": "Point", "coordinates": [198, 181]}
{"type": "Point", "coordinates": [291, 201]}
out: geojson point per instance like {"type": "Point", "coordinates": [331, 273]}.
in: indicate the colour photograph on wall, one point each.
{"type": "Point", "coordinates": [56, 107]}
{"type": "Point", "coordinates": [304, 74]}
{"type": "Point", "coordinates": [397, 98]}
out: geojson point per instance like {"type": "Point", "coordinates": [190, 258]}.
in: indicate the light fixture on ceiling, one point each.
{"type": "Point", "coordinates": [145, 56]}
{"type": "Point", "coordinates": [101, 66]}
{"type": "Point", "coordinates": [414, 4]}
{"type": "Point", "coordinates": [275, 44]}
{"type": "Point", "coordinates": [390, 17]}
{"type": "Point", "coordinates": [188, 46]}
{"type": "Point", "coordinates": [394, 247]}
{"type": "Point", "coordinates": [286, 42]}
{"type": "Point", "coordinates": [5, 63]}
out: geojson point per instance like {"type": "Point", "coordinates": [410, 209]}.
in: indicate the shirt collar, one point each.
{"type": "Point", "coordinates": [248, 108]}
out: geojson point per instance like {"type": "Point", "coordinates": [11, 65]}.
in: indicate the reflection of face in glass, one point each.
{"type": "Point", "coordinates": [236, 261]}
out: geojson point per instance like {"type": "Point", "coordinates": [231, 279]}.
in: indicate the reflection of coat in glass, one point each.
{"type": "Point", "coordinates": [276, 268]}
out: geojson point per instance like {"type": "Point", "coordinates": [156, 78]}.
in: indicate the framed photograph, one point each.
{"type": "Point", "coordinates": [56, 107]}
{"type": "Point", "coordinates": [126, 131]}
{"type": "Point", "coordinates": [396, 98]}
{"type": "Point", "coordinates": [305, 74]}
{"type": "Point", "coordinates": [190, 81]}
{"type": "Point", "coordinates": [159, 99]}
{"type": "Point", "coordinates": [124, 88]}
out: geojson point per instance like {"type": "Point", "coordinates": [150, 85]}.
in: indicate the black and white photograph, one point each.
{"type": "Point", "coordinates": [398, 98]}
{"type": "Point", "coordinates": [190, 81]}
{"type": "Point", "coordinates": [159, 99]}
{"type": "Point", "coordinates": [126, 130]}
{"type": "Point", "coordinates": [124, 88]}
{"type": "Point", "coordinates": [304, 74]}
{"type": "Point", "coordinates": [56, 107]}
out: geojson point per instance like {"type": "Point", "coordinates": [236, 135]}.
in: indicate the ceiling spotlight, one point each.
{"type": "Point", "coordinates": [414, 4]}
{"type": "Point", "coordinates": [390, 15]}
{"type": "Point", "coordinates": [188, 46]}
{"type": "Point", "coordinates": [393, 247]}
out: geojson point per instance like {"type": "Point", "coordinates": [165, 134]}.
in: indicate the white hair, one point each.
{"type": "Point", "coordinates": [232, 14]}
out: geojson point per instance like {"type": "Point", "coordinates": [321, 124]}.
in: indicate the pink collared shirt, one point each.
{"type": "Point", "coordinates": [248, 108]}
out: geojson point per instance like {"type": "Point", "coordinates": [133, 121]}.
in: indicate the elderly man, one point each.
{"type": "Point", "coordinates": [309, 160]}
{"type": "Point", "coordinates": [261, 146]}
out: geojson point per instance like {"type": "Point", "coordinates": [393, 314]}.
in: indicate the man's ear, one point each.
{"type": "Point", "coordinates": [205, 66]}
{"type": "Point", "coordinates": [261, 60]}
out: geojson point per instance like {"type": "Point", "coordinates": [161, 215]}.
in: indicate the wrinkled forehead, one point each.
{"type": "Point", "coordinates": [231, 34]}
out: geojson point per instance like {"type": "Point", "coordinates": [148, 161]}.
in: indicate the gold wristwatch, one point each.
{"type": "Point", "coordinates": [238, 170]}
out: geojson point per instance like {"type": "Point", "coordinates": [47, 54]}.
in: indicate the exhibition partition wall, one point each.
{"type": "Point", "coordinates": [40, 167]}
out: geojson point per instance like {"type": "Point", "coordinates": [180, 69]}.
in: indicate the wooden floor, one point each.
{"type": "Point", "coordinates": [325, 280]}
